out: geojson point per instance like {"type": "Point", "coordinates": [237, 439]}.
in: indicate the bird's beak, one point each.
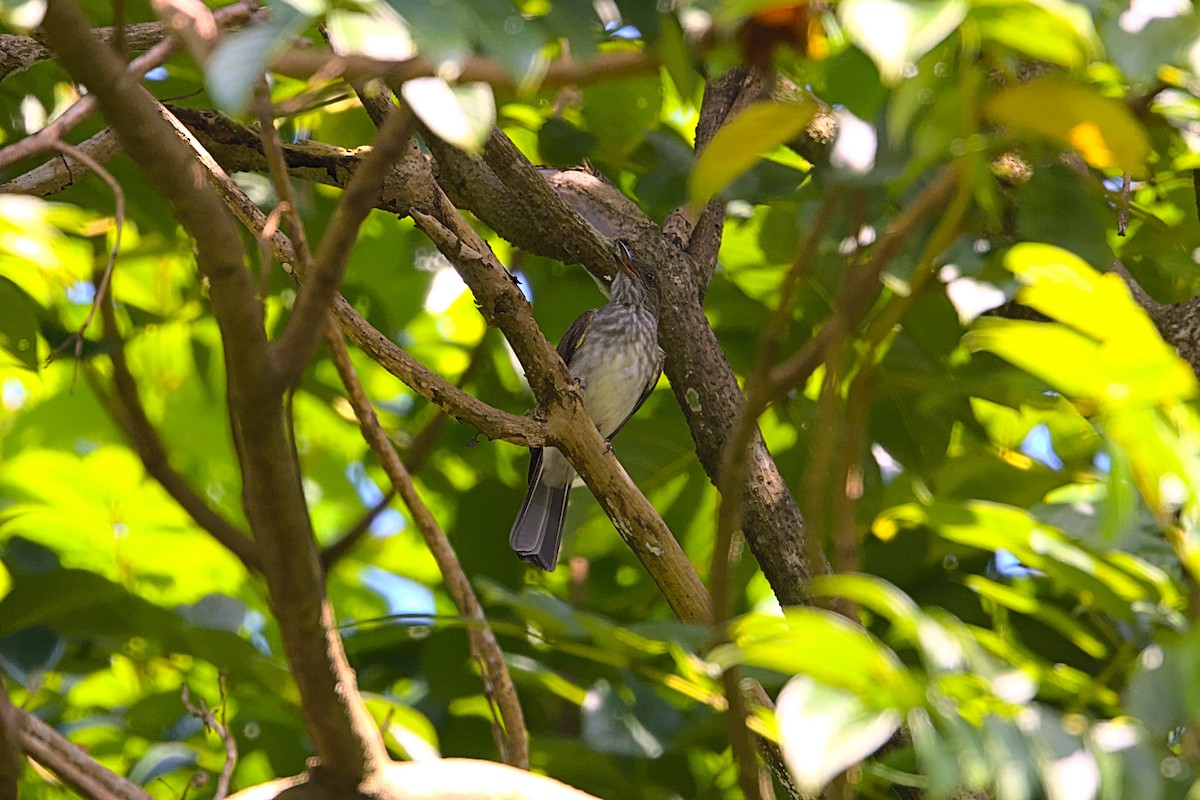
{"type": "Point", "coordinates": [625, 259]}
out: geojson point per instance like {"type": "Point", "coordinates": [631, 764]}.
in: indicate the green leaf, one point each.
{"type": "Point", "coordinates": [1052, 188]}
{"type": "Point", "coordinates": [1021, 600]}
{"type": "Point", "coordinates": [379, 33]}
{"type": "Point", "coordinates": [822, 645]}
{"type": "Point", "coordinates": [18, 324]}
{"type": "Point", "coordinates": [1056, 31]}
{"type": "Point", "coordinates": [823, 731]}
{"type": "Point", "coordinates": [620, 113]}
{"type": "Point", "coordinates": [738, 146]}
{"type": "Point", "coordinates": [1111, 355]}
{"type": "Point", "coordinates": [1074, 115]}
{"type": "Point", "coordinates": [873, 593]}
{"type": "Point", "coordinates": [673, 49]}
{"type": "Point", "coordinates": [991, 527]}
{"type": "Point", "coordinates": [462, 115]}
{"type": "Point", "coordinates": [240, 60]}
{"type": "Point", "coordinates": [895, 33]}
{"type": "Point", "coordinates": [161, 759]}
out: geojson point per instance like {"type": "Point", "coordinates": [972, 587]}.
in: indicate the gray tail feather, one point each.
{"type": "Point", "coordinates": [537, 533]}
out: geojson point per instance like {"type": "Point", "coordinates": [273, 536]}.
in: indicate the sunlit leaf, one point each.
{"type": "Point", "coordinates": [804, 641]}
{"type": "Point", "coordinates": [823, 730]}
{"type": "Point", "coordinates": [240, 59]}
{"type": "Point", "coordinates": [895, 33]}
{"type": "Point", "coordinates": [738, 145]}
{"type": "Point", "coordinates": [1074, 115]}
{"type": "Point", "coordinates": [462, 115]}
{"type": "Point", "coordinates": [1055, 31]}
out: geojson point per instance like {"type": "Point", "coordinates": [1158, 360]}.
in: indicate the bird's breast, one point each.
{"type": "Point", "coordinates": [615, 364]}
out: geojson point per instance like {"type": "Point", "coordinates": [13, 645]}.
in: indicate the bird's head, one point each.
{"type": "Point", "coordinates": [633, 285]}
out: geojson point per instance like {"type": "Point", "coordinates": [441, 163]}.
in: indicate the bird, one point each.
{"type": "Point", "coordinates": [613, 354]}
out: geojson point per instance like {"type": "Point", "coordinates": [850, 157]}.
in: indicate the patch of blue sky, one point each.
{"type": "Point", "coordinates": [405, 597]}
{"type": "Point", "coordinates": [1039, 446]}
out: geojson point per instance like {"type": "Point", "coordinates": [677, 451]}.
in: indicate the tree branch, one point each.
{"type": "Point", "coordinates": [72, 765]}
{"type": "Point", "coordinates": [568, 426]}
{"type": "Point", "coordinates": [344, 737]}
{"type": "Point", "coordinates": [492, 422]}
{"type": "Point", "coordinates": [82, 108]}
{"type": "Point", "coordinates": [19, 53]}
{"type": "Point", "coordinates": [12, 753]}
{"type": "Point", "coordinates": [483, 643]}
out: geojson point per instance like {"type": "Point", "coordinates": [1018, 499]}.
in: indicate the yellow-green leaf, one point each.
{"type": "Point", "coordinates": [1099, 128]}
{"type": "Point", "coordinates": [739, 145]}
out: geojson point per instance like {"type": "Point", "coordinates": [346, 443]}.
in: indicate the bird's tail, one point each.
{"type": "Point", "coordinates": [537, 533]}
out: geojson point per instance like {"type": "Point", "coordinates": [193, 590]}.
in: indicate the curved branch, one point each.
{"type": "Point", "coordinates": [72, 764]}
{"type": "Point", "coordinates": [484, 646]}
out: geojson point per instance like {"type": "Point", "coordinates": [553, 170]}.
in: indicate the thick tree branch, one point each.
{"type": "Point", "coordinates": [343, 735]}
{"type": "Point", "coordinates": [19, 53]}
{"type": "Point", "coordinates": [72, 765]}
{"type": "Point", "coordinates": [12, 751]}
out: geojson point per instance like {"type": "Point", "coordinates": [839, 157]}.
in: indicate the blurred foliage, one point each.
{"type": "Point", "coordinates": [1025, 527]}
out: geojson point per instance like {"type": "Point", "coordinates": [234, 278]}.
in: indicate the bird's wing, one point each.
{"type": "Point", "coordinates": [575, 335]}
{"type": "Point", "coordinates": [645, 394]}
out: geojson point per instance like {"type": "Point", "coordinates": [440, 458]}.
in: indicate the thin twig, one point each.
{"type": "Point", "coordinates": [732, 477]}
{"type": "Point", "coordinates": [101, 292]}
{"type": "Point", "coordinates": [482, 640]}
{"type": "Point", "coordinates": [1123, 206]}
{"type": "Point", "coordinates": [864, 283]}
{"type": "Point", "coordinates": [492, 422]}
{"type": "Point", "coordinates": [205, 715]}
{"type": "Point", "coordinates": [736, 454]}
{"type": "Point", "coordinates": [346, 542]}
